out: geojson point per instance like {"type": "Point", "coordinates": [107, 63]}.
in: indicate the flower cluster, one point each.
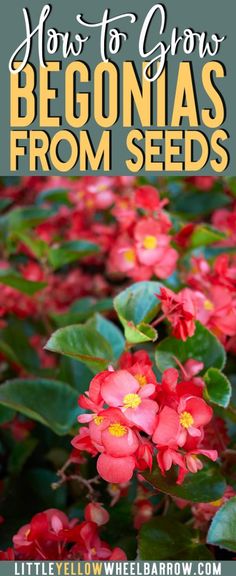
{"type": "Point", "coordinates": [209, 298]}
{"type": "Point", "coordinates": [50, 535]}
{"type": "Point", "coordinates": [143, 246]}
{"type": "Point", "coordinates": [134, 419]}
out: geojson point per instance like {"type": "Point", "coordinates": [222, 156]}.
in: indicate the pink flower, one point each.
{"type": "Point", "coordinates": [83, 442]}
{"type": "Point", "coordinates": [121, 389]}
{"type": "Point", "coordinates": [144, 456]}
{"type": "Point", "coordinates": [167, 263]}
{"type": "Point", "coordinates": [225, 220]}
{"type": "Point", "coordinates": [166, 457]}
{"type": "Point", "coordinates": [193, 464]}
{"type": "Point", "coordinates": [150, 241]}
{"type": "Point", "coordinates": [116, 470]}
{"type": "Point", "coordinates": [92, 399]}
{"type": "Point", "coordinates": [94, 512]}
{"type": "Point", "coordinates": [122, 256]}
{"type": "Point", "coordinates": [131, 398]}
{"type": "Point", "coordinates": [218, 311]}
{"type": "Point", "coordinates": [174, 426]}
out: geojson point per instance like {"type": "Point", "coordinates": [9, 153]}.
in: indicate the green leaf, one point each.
{"type": "Point", "coordinates": [15, 346]}
{"type": "Point", "coordinates": [4, 203]}
{"type": "Point", "coordinates": [20, 453]}
{"type": "Point", "coordinates": [11, 278]}
{"type": "Point", "coordinates": [232, 185]}
{"type": "Point", "coordinates": [37, 246]}
{"type": "Point", "coordinates": [204, 235]}
{"type": "Point", "coordinates": [206, 485]}
{"type": "Point", "coordinates": [83, 343]}
{"type": "Point", "coordinates": [163, 539]}
{"type": "Point", "coordinates": [75, 373]}
{"type": "Point", "coordinates": [81, 310]}
{"type": "Point", "coordinates": [54, 195]}
{"type": "Point", "coordinates": [136, 307]}
{"type": "Point", "coordinates": [6, 415]}
{"type": "Point", "coordinates": [38, 483]}
{"type": "Point", "coordinates": [222, 531]}
{"type": "Point", "coordinates": [192, 203]}
{"type": "Point", "coordinates": [203, 346]}
{"type": "Point", "coordinates": [70, 252]}
{"type": "Point", "coordinates": [110, 332]}
{"type": "Point", "coordinates": [50, 402]}
{"type": "Point", "coordinates": [23, 218]}
{"type": "Point", "coordinates": [218, 387]}
{"type": "Point", "coordinates": [212, 252]}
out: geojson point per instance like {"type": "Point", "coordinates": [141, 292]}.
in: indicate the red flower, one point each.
{"type": "Point", "coordinates": [50, 535]}
{"type": "Point", "coordinates": [180, 311]}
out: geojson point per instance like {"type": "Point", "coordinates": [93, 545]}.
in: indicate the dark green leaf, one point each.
{"type": "Point", "coordinates": [110, 332]}
{"type": "Point", "coordinates": [23, 218]}
{"type": "Point", "coordinates": [81, 310]}
{"type": "Point", "coordinates": [15, 346]}
{"type": "Point", "coordinates": [222, 531]}
{"type": "Point", "coordinates": [6, 415]}
{"type": "Point", "coordinates": [232, 184]}
{"type": "Point", "coordinates": [203, 346]}
{"type": "Point", "coordinates": [11, 278]}
{"type": "Point", "coordinates": [4, 203]}
{"type": "Point", "coordinates": [20, 453]}
{"type": "Point", "coordinates": [206, 485]}
{"type": "Point", "coordinates": [163, 539]}
{"type": "Point", "coordinates": [194, 203]}
{"type": "Point", "coordinates": [39, 482]}
{"type": "Point", "coordinates": [70, 251]}
{"type": "Point", "coordinates": [75, 373]}
{"type": "Point", "coordinates": [54, 195]}
{"type": "Point", "coordinates": [50, 402]}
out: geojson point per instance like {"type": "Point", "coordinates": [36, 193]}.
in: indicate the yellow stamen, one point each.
{"type": "Point", "coordinates": [186, 419]}
{"type": "Point", "coordinates": [117, 429]}
{"type": "Point", "coordinates": [142, 380]}
{"type": "Point", "coordinates": [123, 204]}
{"type": "Point", "coordinates": [114, 488]}
{"type": "Point", "coordinates": [131, 400]}
{"type": "Point", "coordinates": [129, 255]}
{"type": "Point", "coordinates": [208, 305]}
{"type": "Point", "coordinates": [217, 503]}
{"type": "Point", "coordinates": [150, 242]}
{"type": "Point", "coordinates": [89, 203]}
{"type": "Point", "coordinates": [98, 420]}
{"type": "Point", "coordinates": [93, 551]}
